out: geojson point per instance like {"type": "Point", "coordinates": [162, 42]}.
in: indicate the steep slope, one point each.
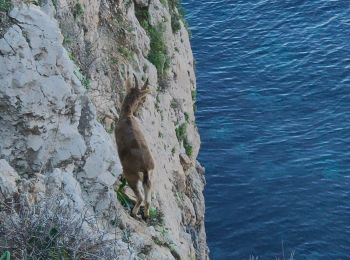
{"type": "Point", "coordinates": [63, 67]}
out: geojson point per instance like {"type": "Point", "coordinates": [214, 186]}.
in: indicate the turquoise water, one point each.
{"type": "Point", "coordinates": [274, 116]}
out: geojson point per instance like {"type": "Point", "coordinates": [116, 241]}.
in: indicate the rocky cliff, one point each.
{"type": "Point", "coordinates": [63, 65]}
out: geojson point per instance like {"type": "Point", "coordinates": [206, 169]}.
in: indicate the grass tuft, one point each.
{"type": "Point", "coordinates": [122, 197]}
{"type": "Point", "coordinates": [5, 256]}
{"type": "Point", "coordinates": [188, 148]}
{"type": "Point", "coordinates": [84, 80]}
{"type": "Point", "coordinates": [78, 10]}
{"type": "Point", "coordinates": [158, 55]}
{"type": "Point", "coordinates": [5, 5]}
{"type": "Point", "coordinates": [177, 13]}
{"type": "Point", "coordinates": [181, 132]}
{"type": "Point", "coordinates": [156, 217]}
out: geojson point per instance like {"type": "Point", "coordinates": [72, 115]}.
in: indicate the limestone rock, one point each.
{"type": "Point", "coordinates": [62, 73]}
{"type": "Point", "coordinates": [8, 179]}
{"type": "Point", "coordinates": [185, 161]}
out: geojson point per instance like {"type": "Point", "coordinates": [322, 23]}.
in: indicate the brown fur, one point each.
{"type": "Point", "coordinates": [133, 150]}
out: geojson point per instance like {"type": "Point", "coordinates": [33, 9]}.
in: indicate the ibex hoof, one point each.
{"type": "Point", "coordinates": [137, 217]}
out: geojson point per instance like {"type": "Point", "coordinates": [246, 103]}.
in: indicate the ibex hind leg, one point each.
{"type": "Point", "coordinates": [139, 199]}
{"type": "Point", "coordinates": [147, 186]}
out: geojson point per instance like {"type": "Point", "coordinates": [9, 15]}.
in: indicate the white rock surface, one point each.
{"type": "Point", "coordinates": [8, 179]}
{"type": "Point", "coordinates": [58, 106]}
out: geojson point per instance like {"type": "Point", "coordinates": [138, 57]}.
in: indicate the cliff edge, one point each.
{"type": "Point", "coordinates": [63, 65]}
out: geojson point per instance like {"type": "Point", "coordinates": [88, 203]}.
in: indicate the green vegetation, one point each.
{"type": "Point", "coordinates": [187, 117]}
{"type": "Point", "coordinates": [156, 104]}
{"type": "Point", "coordinates": [84, 80]}
{"type": "Point", "coordinates": [167, 244]}
{"type": "Point", "coordinates": [5, 5]}
{"type": "Point", "coordinates": [51, 228]}
{"type": "Point", "coordinates": [67, 40]}
{"type": "Point", "coordinates": [110, 130]}
{"type": "Point", "coordinates": [174, 104]}
{"type": "Point", "coordinates": [72, 56]}
{"type": "Point", "coordinates": [54, 2]}
{"type": "Point", "coordinates": [173, 151]}
{"type": "Point", "coordinates": [156, 217]}
{"type": "Point", "coordinates": [194, 99]}
{"type": "Point", "coordinates": [5, 256]}
{"type": "Point", "coordinates": [194, 95]}
{"type": "Point", "coordinates": [125, 52]}
{"type": "Point", "coordinates": [177, 15]}
{"type": "Point", "coordinates": [181, 132]}
{"type": "Point", "coordinates": [122, 197]}
{"type": "Point", "coordinates": [188, 148]}
{"type": "Point", "coordinates": [181, 135]}
{"type": "Point", "coordinates": [158, 55]}
{"type": "Point", "coordinates": [78, 10]}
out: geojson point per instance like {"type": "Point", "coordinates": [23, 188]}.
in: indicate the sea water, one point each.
{"type": "Point", "coordinates": [273, 81]}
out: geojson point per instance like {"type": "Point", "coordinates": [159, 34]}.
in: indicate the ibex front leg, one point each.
{"type": "Point", "coordinates": [147, 187]}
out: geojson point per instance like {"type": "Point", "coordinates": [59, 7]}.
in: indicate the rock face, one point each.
{"type": "Point", "coordinates": [62, 71]}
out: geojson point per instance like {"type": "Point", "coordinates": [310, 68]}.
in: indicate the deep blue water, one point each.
{"type": "Point", "coordinates": [274, 116]}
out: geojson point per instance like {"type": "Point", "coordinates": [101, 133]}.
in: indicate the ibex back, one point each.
{"type": "Point", "coordinates": [133, 150]}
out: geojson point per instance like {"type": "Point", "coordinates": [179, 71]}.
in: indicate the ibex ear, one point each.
{"type": "Point", "coordinates": [128, 84]}
{"type": "Point", "coordinates": [136, 81]}
{"type": "Point", "coordinates": [145, 86]}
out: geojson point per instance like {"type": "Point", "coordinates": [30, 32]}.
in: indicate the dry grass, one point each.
{"type": "Point", "coordinates": [52, 229]}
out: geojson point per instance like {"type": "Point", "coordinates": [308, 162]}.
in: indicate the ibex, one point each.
{"type": "Point", "coordinates": [133, 150]}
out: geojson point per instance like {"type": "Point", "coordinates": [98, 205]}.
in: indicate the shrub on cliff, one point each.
{"type": "Point", "coordinates": [158, 55]}
{"type": "Point", "coordinates": [52, 229]}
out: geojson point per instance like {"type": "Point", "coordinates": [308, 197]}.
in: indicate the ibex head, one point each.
{"type": "Point", "coordinates": [135, 96]}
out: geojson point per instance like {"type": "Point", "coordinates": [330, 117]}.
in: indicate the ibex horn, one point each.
{"type": "Point", "coordinates": [136, 81]}
{"type": "Point", "coordinates": [146, 84]}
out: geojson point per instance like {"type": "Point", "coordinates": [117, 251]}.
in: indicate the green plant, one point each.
{"type": "Point", "coordinates": [54, 2]}
{"type": "Point", "coordinates": [51, 228]}
{"type": "Point", "coordinates": [72, 56]}
{"type": "Point", "coordinates": [158, 55]}
{"type": "Point", "coordinates": [67, 40]}
{"type": "Point", "coordinates": [173, 151]}
{"type": "Point", "coordinates": [177, 13]}
{"type": "Point", "coordinates": [114, 60]}
{"type": "Point", "coordinates": [84, 80]}
{"type": "Point", "coordinates": [5, 5]}
{"type": "Point", "coordinates": [156, 104]}
{"type": "Point", "coordinates": [128, 4]}
{"type": "Point", "coordinates": [156, 217]}
{"type": "Point", "coordinates": [188, 147]}
{"type": "Point", "coordinates": [145, 250]}
{"type": "Point", "coordinates": [5, 256]}
{"type": "Point", "coordinates": [174, 104]}
{"type": "Point", "coordinates": [110, 130]}
{"type": "Point", "coordinates": [181, 132]}
{"type": "Point", "coordinates": [187, 117]}
{"type": "Point", "coordinates": [181, 135]}
{"type": "Point", "coordinates": [125, 52]}
{"type": "Point", "coordinates": [194, 95]}
{"type": "Point", "coordinates": [194, 99]}
{"type": "Point", "coordinates": [160, 135]}
{"type": "Point", "coordinates": [122, 197]}
{"type": "Point", "coordinates": [169, 245]}
{"type": "Point", "coordinates": [78, 10]}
